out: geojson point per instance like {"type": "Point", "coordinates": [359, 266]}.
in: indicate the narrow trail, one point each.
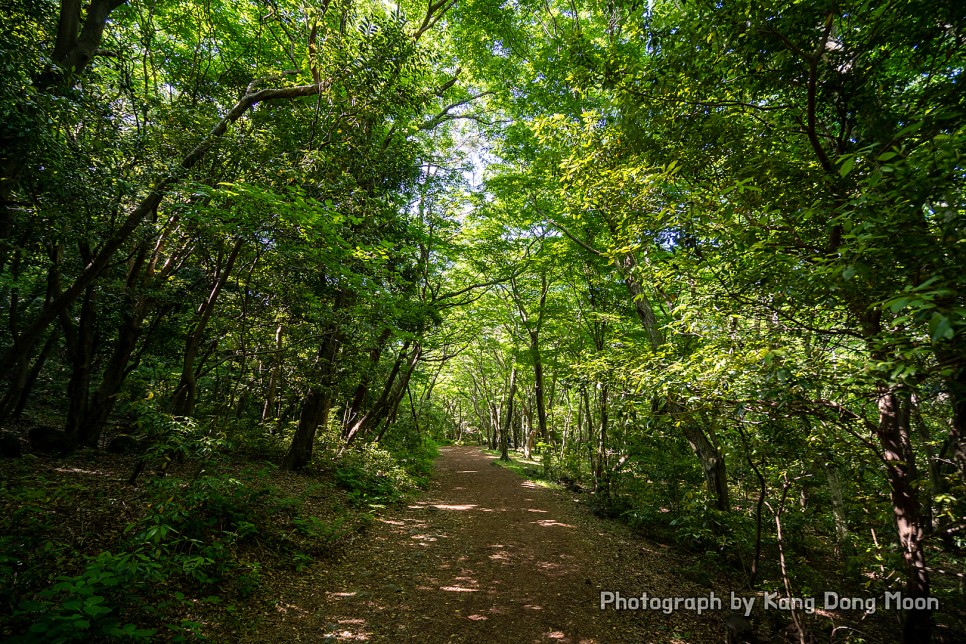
{"type": "Point", "coordinates": [485, 556]}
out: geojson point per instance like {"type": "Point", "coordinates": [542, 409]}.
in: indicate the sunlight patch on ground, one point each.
{"type": "Point", "coordinates": [424, 537]}
{"type": "Point", "coordinates": [445, 506]}
{"type": "Point", "coordinates": [468, 472]}
{"type": "Point", "coordinates": [285, 608]}
{"type": "Point", "coordinates": [77, 470]}
{"type": "Point", "coordinates": [548, 566]}
{"type": "Point", "coordinates": [477, 618]}
{"type": "Point", "coordinates": [459, 589]}
{"type": "Point", "coordinates": [348, 635]}
{"type": "Point", "coordinates": [550, 523]}
{"type": "Point", "coordinates": [536, 510]}
{"type": "Point", "coordinates": [546, 485]}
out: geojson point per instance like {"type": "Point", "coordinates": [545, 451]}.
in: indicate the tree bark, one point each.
{"type": "Point", "coordinates": [600, 466]}
{"type": "Point", "coordinates": [317, 403]}
{"type": "Point", "coordinates": [712, 463]}
{"type": "Point", "coordinates": [392, 408]}
{"type": "Point", "coordinates": [508, 415]}
{"type": "Point", "coordinates": [105, 396]}
{"type": "Point", "coordinates": [381, 406]}
{"type": "Point", "coordinates": [362, 390]}
{"type": "Point", "coordinates": [269, 409]}
{"type": "Point", "coordinates": [893, 434]}
{"type": "Point", "coordinates": [838, 501]}
{"type": "Point", "coordinates": [82, 358]}
{"type": "Point", "coordinates": [183, 403]}
{"type": "Point", "coordinates": [74, 50]}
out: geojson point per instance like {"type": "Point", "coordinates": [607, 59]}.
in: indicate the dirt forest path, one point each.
{"type": "Point", "coordinates": [486, 556]}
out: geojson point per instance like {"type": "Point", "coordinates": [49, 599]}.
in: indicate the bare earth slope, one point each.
{"type": "Point", "coordinates": [486, 556]}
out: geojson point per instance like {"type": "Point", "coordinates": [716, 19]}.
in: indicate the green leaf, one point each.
{"type": "Point", "coordinates": [847, 165]}
{"type": "Point", "coordinates": [898, 303]}
{"type": "Point", "coordinates": [940, 328]}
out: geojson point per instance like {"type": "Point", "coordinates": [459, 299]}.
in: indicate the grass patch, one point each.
{"type": "Point", "coordinates": [529, 469]}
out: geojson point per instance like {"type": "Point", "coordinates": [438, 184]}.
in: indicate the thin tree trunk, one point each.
{"type": "Point", "coordinates": [538, 386]}
{"type": "Point", "coordinates": [183, 403]}
{"type": "Point", "coordinates": [362, 390]}
{"type": "Point", "coordinates": [838, 502]}
{"type": "Point", "coordinates": [382, 406]}
{"type": "Point", "coordinates": [709, 455]}
{"type": "Point", "coordinates": [508, 415]}
{"type": "Point", "coordinates": [389, 416]}
{"type": "Point", "coordinates": [600, 480]}
{"type": "Point", "coordinates": [315, 412]}
{"type": "Point", "coordinates": [82, 357]}
{"type": "Point", "coordinates": [115, 372]}
{"type": "Point", "coordinates": [31, 379]}
{"type": "Point", "coordinates": [269, 409]}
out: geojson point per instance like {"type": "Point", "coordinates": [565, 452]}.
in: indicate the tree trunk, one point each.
{"type": "Point", "coordinates": [527, 431]}
{"type": "Point", "coordinates": [317, 403]}
{"type": "Point", "coordinates": [711, 459]}
{"type": "Point", "coordinates": [538, 386]}
{"type": "Point", "coordinates": [82, 357]}
{"type": "Point", "coordinates": [315, 412]}
{"type": "Point", "coordinates": [183, 403]}
{"type": "Point", "coordinates": [269, 409]}
{"type": "Point", "coordinates": [508, 415]}
{"type": "Point", "coordinates": [712, 464]}
{"type": "Point", "coordinates": [381, 408]}
{"type": "Point", "coordinates": [104, 398]}
{"type": "Point", "coordinates": [18, 396]}
{"type": "Point", "coordinates": [838, 502]}
{"type": "Point", "coordinates": [893, 435]}
{"type": "Point", "coordinates": [392, 409]}
{"type": "Point", "coordinates": [362, 390]}
{"type": "Point", "coordinates": [600, 465]}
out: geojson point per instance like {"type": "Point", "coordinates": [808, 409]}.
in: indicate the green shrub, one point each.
{"type": "Point", "coordinates": [89, 604]}
{"type": "Point", "coordinates": [378, 474]}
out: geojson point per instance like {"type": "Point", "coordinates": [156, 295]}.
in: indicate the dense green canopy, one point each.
{"type": "Point", "coordinates": [703, 258]}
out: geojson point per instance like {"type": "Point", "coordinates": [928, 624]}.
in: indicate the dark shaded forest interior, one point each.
{"type": "Point", "coordinates": [697, 266]}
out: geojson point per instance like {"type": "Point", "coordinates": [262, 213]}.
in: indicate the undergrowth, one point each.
{"type": "Point", "coordinates": [205, 537]}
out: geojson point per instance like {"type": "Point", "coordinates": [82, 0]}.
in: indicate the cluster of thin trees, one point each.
{"type": "Point", "coordinates": [221, 212]}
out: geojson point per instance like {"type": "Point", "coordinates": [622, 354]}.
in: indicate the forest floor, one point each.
{"type": "Point", "coordinates": [485, 556]}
